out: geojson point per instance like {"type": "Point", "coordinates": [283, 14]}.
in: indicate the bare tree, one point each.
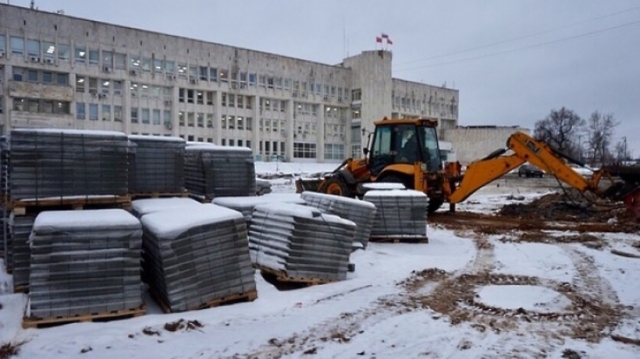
{"type": "Point", "coordinates": [621, 152]}
{"type": "Point", "coordinates": [600, 129]}
{"type": "Point", "coordinates": [561, 129]}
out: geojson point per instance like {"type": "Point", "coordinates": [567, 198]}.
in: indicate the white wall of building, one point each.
{"type": "Point", "coordinates": [474, 143]}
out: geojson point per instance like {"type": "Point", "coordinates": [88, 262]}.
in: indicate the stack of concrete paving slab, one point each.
{"type": "Point", "coordinates": [246, 205]}
{"type": "Point", "coordinates": [360, 212]}
{"type": "Point", "coordinates": [156, 164]}
{"type": "Point", "coordinates": [55, 163]}
{"type": "Point", "coordinates": [19, 230]}
{"type": "Point", "coordinates": [196, 256]}
{"type": "Point", "coordinates": [300, 241]}
{"type": "Point", "coordinates": [84, 262]}
{"type": "Point", "coordinates": [399, 213]}
{"type": "Point", "coordinates": [216, 171]}
{"type": "Point", "coordinates": [141, 207]}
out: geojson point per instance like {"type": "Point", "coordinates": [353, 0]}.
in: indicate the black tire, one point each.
{"type": "Point", "coordinates": [519, 174]}
{"type": "Point", "coordinates": [336, 186]}
{"type": "Point", "coordinates": [434, 204]}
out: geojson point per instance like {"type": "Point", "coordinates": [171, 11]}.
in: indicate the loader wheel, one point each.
{"type": "Point", "coordinates": [434, 204]}
{"type": "Point", "coordinates": [336, 187]}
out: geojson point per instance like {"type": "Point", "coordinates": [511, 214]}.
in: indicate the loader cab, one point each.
{"type": "Point", "coordinates": [404, 141]}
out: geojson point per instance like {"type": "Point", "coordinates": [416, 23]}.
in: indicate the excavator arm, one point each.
{"type": "Point", "coordinates": [525, 149]}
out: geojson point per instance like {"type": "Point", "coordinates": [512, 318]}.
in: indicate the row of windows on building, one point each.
{"type": "Point", "coordinates": [433, 104]}
{"type": "Point", "coordinates": [49, 52]}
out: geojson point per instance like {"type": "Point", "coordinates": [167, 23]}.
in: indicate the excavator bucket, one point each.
{"type": "Point", "coordinates": [308, 184]}
{"type": "Point", "coordinates": [627, 191]}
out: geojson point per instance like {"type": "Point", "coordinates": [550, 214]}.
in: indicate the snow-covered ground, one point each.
{"type": "Point", "coordinates": [462, 295]}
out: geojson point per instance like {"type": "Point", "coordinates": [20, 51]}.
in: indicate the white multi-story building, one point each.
{"type": "Point", "coordinates": [64, 72]}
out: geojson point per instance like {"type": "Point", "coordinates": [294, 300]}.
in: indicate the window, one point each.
{"type": "Point", "coordinates": [240, 123]}
{"type": "Point", "coordinates": [252, 79]}
{"type": "Point", "coordinates": [105, 87]}
{"type": "Point", "coordinates": [47, 77]}
{"type": "Point", "coordinates": [156, 117]}
{"type": "Point", "coordinates": [231, 124]}
{"type": "Point", "coordinates": [333, 152]}
{"type": "Point", "coordinates": [239, 143]}
{"type": "Point", "coordinates": [18, 104]}
{"type": "Point", "coordinates": [248, 102]}
{"type": "Point", "coordinates": [64, 52]}
{"type": "Point", "coordinates": [213, 74]}
{"type": "Point", "coordinates": [201, 120]}
{"type": "Point", "coordinates": [155, 92]}
{"type": "Point", "coordinates": [200, 97]}
{"type": "Point", "coordinates": [231, 143]}
{"type": "Point", "coordinates": [170, 67]}
{"type": "Point", "coordinates": [224, 99]}
{"type": "Point", "coordinates": [158, 66]}
{"type": "Point", "coordinates": [62, 79]}
{"type": "Point", "coordinates": [209, 120]}
{"type": "Point", "coordinates": [33, 48]}
{"type": "Point", "coordinates": [167, 93]}
{"type": "Point", "coordinates": [3, 44]}
{"type": "Point", "coordinates": [209, 97]}
{"type": "Point", "coordinates": [32, 75]}
{"type": "Point", "coordinates": [117, 87]}
{"type": "Point", "coordinates": [304, 150]}
{"type": "Point", "coordinates": [117, 113]}
{"type": "Point", "coordinates": [189, 96]}
{"type": "Point", "coordinates": [167, 117]}
{"type": "Point", "coordinates": [231, 100]}
{"type": "Point", "coordinates": [94, 57]}
{"type": "Point", "coordinates": [356, 95]}
{"type": "Point", "coordinates": [249, 124]}
{"type": "Point", "coordinates": [120, 61]}
{"type": "Point", "coordinates": [223, 122]}
{"type": "Point", "coordinates": [356, 134]}
{"type": "Point", "coordinates": [144, 90]}
{"type": "Point", "coordinates": [107, 59]}
{"type": "Point", "coordinates": [134, 62]}
{"type": "Point", "coordinates": [240, 101]}
{"type": "Point", "coordinates": [80, 84]}
{"type": "Point", "coordinates": [134, 115]}
{"type": "Point", "coordinates": [106, 112]}
{"type": "Point", "coordinates": [145, 116]}
{"type": "Point", "coordinates": [193, 71]}
{"type": "Point", "coordinates": [93, 112]}
{"type": "Point", "coordinates": [17, 45]}
{"type": "Point", "coordinates": [204, 73]}
{"type": "Point", "coordinates": [93, 85]}
{"type": "Point", "coordinates": [182, 70]}
{"type": "Point", "coordinates": [80, 111]}
{"type": "Point", "coordinates": [190, 119]}
{"type": "Point", "coordinates": [146, 64]}
{"type": "Point", "coordinates": [224, 76]}
{"type": "Point", "coordinates": [181, 118]}
{"type": "Point", "coordinates": [181, 95]}
{"type": "Point", "coordinates": [80, 54]}
{"type": "Point", "coordinates": [287, 84]}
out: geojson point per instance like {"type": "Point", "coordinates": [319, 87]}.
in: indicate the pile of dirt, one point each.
{"type": "Point", "coordinates": [569, 206]}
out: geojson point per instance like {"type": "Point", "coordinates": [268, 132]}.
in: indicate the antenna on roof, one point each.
{"type": "Point", "coordinates": [33, 4]}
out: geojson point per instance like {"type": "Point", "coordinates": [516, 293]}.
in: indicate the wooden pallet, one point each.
{"type": "Point", "coordinates": [282, 277]}
{"type": "Point", "coordinates": [21, 208]}
{"type": "Point", "coordinates": [31, 322]}
{"type": "Point", "coordinates": [145, 195]}
{"type": "Point", "coordinates": [200, 198]}
{"type": "Point", "coordinates": [226, 300]}
{"type": "Point", "coordinates": [399, 239]}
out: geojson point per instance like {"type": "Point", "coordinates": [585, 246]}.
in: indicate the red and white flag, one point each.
{"type": "Point", "coordinates": [378, 39]}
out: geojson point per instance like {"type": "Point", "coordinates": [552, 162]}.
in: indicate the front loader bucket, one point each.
{"type": "Point", "coordinates": [308, 184]}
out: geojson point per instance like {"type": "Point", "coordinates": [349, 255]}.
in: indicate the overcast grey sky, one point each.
{"type": "Point", "coordinates": [583, 54]}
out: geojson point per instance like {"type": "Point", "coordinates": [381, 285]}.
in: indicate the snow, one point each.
{"type": "Point", "coordinates": [71, 132]}
{"type": "Point", "coordinates": [527, 297]}
{"type": "Point", "coordinates": [383, 186]}
{"type": "Point", "coordinates": [253, 201]}
{"type": "Point", "coordinates": [211, 146]}
{"type": "Point", "coordinates": [151, 205]}
{"type": "Point", "coordinates": [156, 138]}
{"type": "Point", "coordinates": [289, 209]}
{"type": "Point", "coordinates": [394, 193]}
{"type": "Point", "coordinates": [345, 200]}
{"type": "Point", "coordinates": [364, 316]}
{"type": "Point", "coordinates": [171, 223]}
{"type": "Point", "coordinates": [54, 221]}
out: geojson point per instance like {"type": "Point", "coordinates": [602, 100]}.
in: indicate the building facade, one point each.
{"type": "Point", "coordinates": [472, 143]}
{"type": "Point", "coordinates": [58, 71]}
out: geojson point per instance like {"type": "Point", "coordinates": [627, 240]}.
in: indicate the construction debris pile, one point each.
{"type": "Point", "coordinates": [569, 205]}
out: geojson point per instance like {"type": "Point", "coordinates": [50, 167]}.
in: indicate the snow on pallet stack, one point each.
{"type": "Point", "coordinates": [59, 169]}
{"type": "Point", "coordinates": [246, 205]}
{"type": "Point", "coordinates": [156, 166]}
{"type": "Point", "coordinates": [84, 265]}
{"type": "Point", "coordinates": [215, 171]}
{"type": "Point", "coordinates": [401, 215]}
{"type": "Point", "coordinates": [295, 243]}
{"type": "Point", "coordinates": [197, 259]}
{"type": "Point", "coordinates": [360, 212]}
